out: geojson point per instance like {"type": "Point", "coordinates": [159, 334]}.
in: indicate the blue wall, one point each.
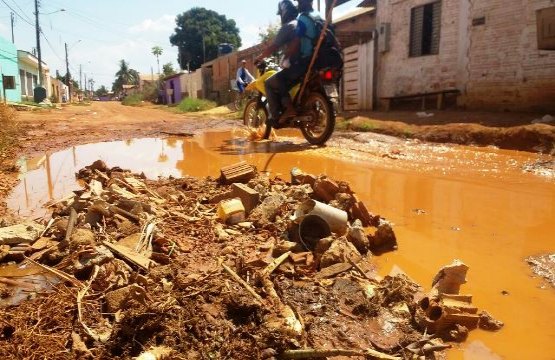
{"type": "Point", "coordinates": [9, 67]}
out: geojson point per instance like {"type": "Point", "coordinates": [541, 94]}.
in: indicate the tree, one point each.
{"type": "Point", "coordinates": [268, 33]}
{"type": "Point", "coordinates": [157, 51]}
{"type": "Point", "coordinates": [168, 70]}
{"type": "Point", "coordinates": [102, 91]}
{"type": "Point", "coordinates": [198, 33]}
{"type": "Point", "coordinates": [125, 76]}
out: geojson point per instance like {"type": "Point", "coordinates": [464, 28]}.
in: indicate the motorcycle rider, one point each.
{"type": "Point", "coordinates": [278, 86]}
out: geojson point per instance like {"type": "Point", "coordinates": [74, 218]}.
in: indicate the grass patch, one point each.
{"type": "Point", "coordinates": [8, 127]}
{"type": "Point", "coordinates": [133, 100]}
{"type": "Point", "coordinates": [83, 103]}
{"type": "Point", "coordinates": [195, 105]}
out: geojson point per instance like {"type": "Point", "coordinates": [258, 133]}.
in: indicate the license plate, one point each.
{"type": "Point", "coordinates": [331, 91]}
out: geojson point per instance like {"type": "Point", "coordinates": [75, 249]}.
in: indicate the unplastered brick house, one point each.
{"type": "Point", "coordinates": [488, 54]}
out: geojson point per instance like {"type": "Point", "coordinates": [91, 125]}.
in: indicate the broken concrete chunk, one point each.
{"type": "Point", "coordinates": [487, 322]}
{"type": "Point", "coordinates": [298, 177]}
{"type": "Point", "coordinates": [116, 300]}
{"type": "Point", "coordinates": [156, 353]}
{"type": "Point", "coordinates": [249, 197]}
{"type": "Point", "coordinates": [384, 239]}
{"type": "Point", "coordinates": [340, 251]}
{"type": "Point", "coordinates": [22, 233]}
{"type": "Point", "coordinates": [100, 255]}
{"type": "Point", "coordinates": [358, 238]}
{"type": "Point", "coordinates": [325, 189]}
{"type": "Point", "coordinates": [81, 238]}
{"type": "Point", "coordinates": [359, 211]}
{"type": "Point", "coordinates": [450, 278]}
{"type": "Point", "coordinates": [268, 210]}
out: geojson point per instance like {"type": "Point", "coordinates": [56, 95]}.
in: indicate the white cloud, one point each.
{"type": "Point", "coordinates": [165, 23]}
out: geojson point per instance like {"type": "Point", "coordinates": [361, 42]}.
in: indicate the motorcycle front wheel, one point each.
{"type": "Point", "coordinates": [255, 118]}
{"type": "Point", "coordinates": [321, 127]}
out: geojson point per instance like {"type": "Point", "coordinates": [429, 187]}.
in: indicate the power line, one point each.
{"type": "Point", "coordinates": [22, 11]}
{"type": "Point", "coordinates": [15, 12]}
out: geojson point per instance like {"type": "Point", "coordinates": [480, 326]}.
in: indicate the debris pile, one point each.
{"type": "Point", "coordinates": [240, 267]}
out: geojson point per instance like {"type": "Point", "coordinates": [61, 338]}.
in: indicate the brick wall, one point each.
{"type": "Point", "coordinates": [496, 65]}
{"type": "Point", "coordinates": [399, 74]}
{"type": "Point", "coordinates": [506, 70]}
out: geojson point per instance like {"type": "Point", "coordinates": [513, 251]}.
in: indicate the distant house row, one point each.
{"type": "Point", "coordinates": [491, 54]}
{"type": "Point", "coordinates": [19, 76]}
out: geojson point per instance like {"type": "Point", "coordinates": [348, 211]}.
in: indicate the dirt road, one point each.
{"type": "Point", "coordinates": [489, 207]}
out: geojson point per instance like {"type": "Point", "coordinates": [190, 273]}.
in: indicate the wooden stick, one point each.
{"type": "Point", "coordinates": [243, 282]}
{"type": "Point", "coordinates": [318, 353]}
{"type": "Point", "coordinates": [70, 225]}
{"type": "Point", "coordinates": [58, 273]}
{"type": "Point", "coordinates": [127, 214]}
{"type": "Point", "coordinates": [274, 265]}
{"type": "Point", "coordinates": [322, 353]}
{"type": "Point", "coordinates": [359, 269]}
{"type": "Point", "coordinates": [80, 295]}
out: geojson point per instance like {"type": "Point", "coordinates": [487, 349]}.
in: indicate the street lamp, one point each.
{"type": "Point", "coordinates": [53, 12]}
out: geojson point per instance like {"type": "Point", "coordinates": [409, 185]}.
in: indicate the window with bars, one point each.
{"type": "Point", "coordinates": [425, 28]}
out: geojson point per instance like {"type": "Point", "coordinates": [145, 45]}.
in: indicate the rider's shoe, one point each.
{"type": "Point", "coordinates": [289, 113]}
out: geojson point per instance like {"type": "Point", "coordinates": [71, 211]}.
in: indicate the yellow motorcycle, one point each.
{"type": "Point", "coordinates": [316, 110]}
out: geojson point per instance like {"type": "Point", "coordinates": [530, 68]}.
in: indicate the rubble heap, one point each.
{"type": "Point", "coordinates": [241, 267]}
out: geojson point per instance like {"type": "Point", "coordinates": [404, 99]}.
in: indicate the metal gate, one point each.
{"type": "Point", "coordinates": [358, 77]}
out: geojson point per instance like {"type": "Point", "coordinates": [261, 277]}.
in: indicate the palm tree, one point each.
{"type": "Point", "coordinates": [125, 76]}
{"type": "Point", "coordinates": [157, 51]}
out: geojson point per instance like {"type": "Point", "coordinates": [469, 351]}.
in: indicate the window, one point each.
{"type": "Point", "coordinates": [9, 82]}
{"type": "Point", "coordinates": [425, 25]}
{"type": "Point", "coordinates": [546, 28]}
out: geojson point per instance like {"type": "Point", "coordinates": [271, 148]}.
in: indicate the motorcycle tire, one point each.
{"type": "Point", "coordinates": [320, 105]}
{"type": "Point", "coordinates": [256, 117]}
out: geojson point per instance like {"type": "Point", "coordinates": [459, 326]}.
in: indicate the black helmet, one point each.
{"type": "Point", "coordinates": [287, 10]}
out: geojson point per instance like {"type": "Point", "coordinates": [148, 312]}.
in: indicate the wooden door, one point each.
{"type": "Point", "coordinates": [358, 77]}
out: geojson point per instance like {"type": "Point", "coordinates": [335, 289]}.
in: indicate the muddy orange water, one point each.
{"type": "Point", "coordinates": [483, 210]}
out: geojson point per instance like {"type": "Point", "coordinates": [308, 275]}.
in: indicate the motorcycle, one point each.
{"type": "Point", "coordinates": [316, 109]}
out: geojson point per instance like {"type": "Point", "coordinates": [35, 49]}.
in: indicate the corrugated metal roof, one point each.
{"type": "Point", "coordinates": [354, 13]}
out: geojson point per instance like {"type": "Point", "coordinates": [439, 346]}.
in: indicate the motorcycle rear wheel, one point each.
{"type": "Point", "coordinates": [320, 129]}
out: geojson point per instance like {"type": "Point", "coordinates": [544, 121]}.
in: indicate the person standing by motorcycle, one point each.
{"type": "Point", "coordinates": [244, 77]}
{"type": "Point", "coordinates": [278, 86]}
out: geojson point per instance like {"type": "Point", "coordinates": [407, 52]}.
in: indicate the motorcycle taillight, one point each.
{"type": "Point", "coordinates": [326, 75]}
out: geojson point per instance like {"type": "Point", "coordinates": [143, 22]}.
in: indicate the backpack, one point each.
{"type": "Point", "coordinates": [330, 54]}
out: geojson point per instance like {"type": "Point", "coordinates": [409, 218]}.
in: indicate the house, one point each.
{"type": "Point", "coordinates": [172, 89]}
{"type": "Point", "coordinates": [494, 54]}
{"type": "Point", "coordinates": [28, 75]}
{"type": "Point", "coordinates": [9, 81]}
{"type": "Point", "coordinates": [147, 80]}
{"type": "Point", "coordinates": [355, 27]}
{"type": "Point", "coordinates": [219, 74]}
{"type": "Point", "coordinates": [59, 91]}
{"type": "Point", "coordinates": [130, 89]}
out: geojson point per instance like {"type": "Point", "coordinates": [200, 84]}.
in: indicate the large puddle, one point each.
{"type": "Point", "coordinates": [492, 220]}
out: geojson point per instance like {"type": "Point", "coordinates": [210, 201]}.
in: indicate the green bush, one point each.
{"type": "Point", "coordinates": [133, 100]}
{"type": "Point", "coordinates": [195, 105]}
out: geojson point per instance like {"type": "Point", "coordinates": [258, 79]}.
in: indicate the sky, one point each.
{"type": "Point", "coordinates": [101, 32]}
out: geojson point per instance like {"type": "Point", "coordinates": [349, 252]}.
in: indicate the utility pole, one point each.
{"type": "Point", "coordinates": [13, 20]}
{"type": "Point", "coordinates": [81, 76]}
{"type": "Point", "coordinates": [68, 76]}
{"type": "Point", "coordinates": [85, 84]}
{"type": "Point", "coordinates": [37, 29]}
